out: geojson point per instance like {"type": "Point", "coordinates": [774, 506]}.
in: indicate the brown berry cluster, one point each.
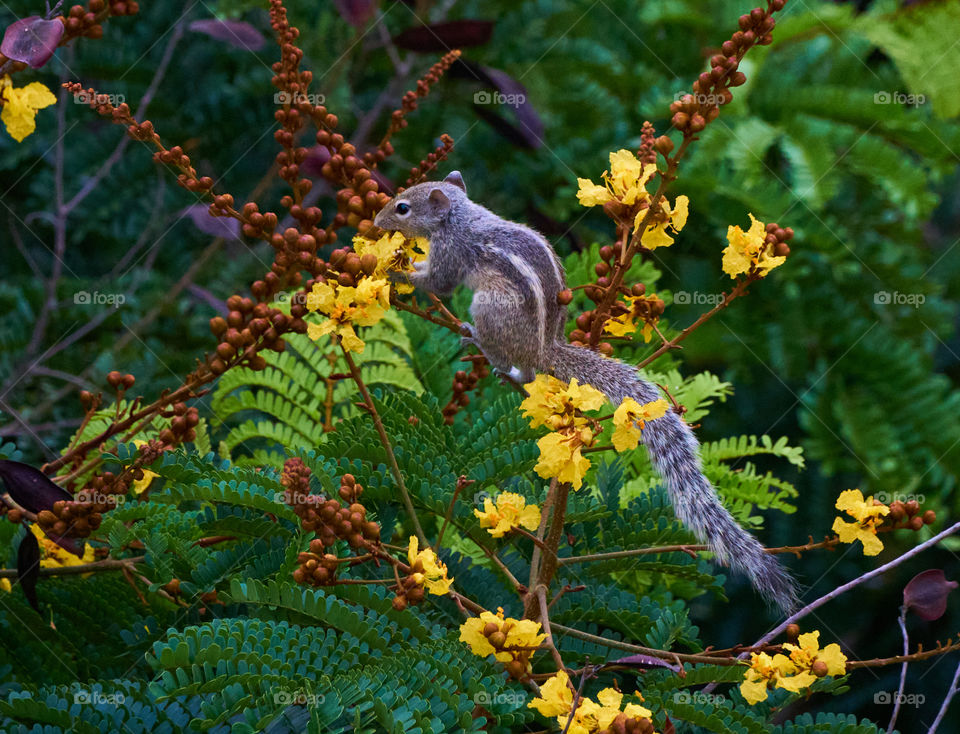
{"type": "Point", "coordinates": [410, 99]}
{"type": "Point", "coordinates": [119, 381]}
{"type": "Point", "coordinates": [360, 198]}
{"type": "Point", "coordinates": [909, 515]}
{"type": "Point", "coordinates": [348, 268]}
{"type": "Point", "coordinates": [693, 112]}
{"type": "Point", "coordinates": [587, 333]}
{"type": "Point", "coordinates": [78, 519]}
{"type": "Point", "coordinates": [464, 382]}
{"type": "Point", "coordinates": [183, 422]}
{"type": "Point", "coordinates": [249, 327]}
{"type": "Point", "coordinates": [625, 724]}
{"type": "Point", "coordinates": [496, 633]}
{"type": "Point", "coordinates": [330, 520]}
{"type": "Point", "coordinates": [647, 152]}
{"type": "Point", "coordinates": [777, 239]}
{"type": "Point", "coordinates": [410, 591]}
{"type": "Point", "coordinates": [419, 172]}
{"type": "Point", "coordinates": [86, 21]}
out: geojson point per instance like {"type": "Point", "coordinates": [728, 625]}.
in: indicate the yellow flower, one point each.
{"type": "Point", "coordinates": [549, 398]}
{"type": "Point", "coordinates": [646, 308]}
{"type": "Point", "coordinates": [610, 701]}
{"type": "Point", "coordinates": [506, 639]}
{"type": "Point", "coordinates": [427, 568]}
{"type": "Point", "coordinates": [625, 181]}
{"type": "Point", "coordinates": [556, 405]}
{"type": "Point", "coordinates": [630, 418]}
{"type": "Point", "coordinates": [5, 585]}
{"type": "Point", "coordinates": [747, 252]}
{"type": "Point", "coordinates": [808, 652]}
{"type": "Point", "coordinates": [20, 106]}
{"type": "Point", "coordinates": [672, 218]}
{"type": "Point", "coordinates": [556, 700]}
{"type": "Point", "coordinates": [394, 252]}
{"type": "Point", "coordinates": [346, 306]}
{"type": "Point", "coordinates": [867, 514]}
{"type": "Point", "coordinates": [53, 556]}
{"type": "Point", "coordinates": [556, 696]}
{"type": "Point", "coordinates": [511, 511]}
{"type": "Point", "coordinates": [561, 456]}
{"type": "Point", "coordinates": [764, 672]}
{"type": "Point", "coordinates": [140, 485]}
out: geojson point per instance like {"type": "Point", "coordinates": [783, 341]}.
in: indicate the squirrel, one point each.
{"type": "Point", "coordinates": [518, 324]}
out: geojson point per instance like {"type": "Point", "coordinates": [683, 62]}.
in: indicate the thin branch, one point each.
{"type": "Point", "coordinates": [385, 440]}
{"type": "Point", "coordinates": [902, 621]}
{"type": "Point", "coordinates": [953, 690]}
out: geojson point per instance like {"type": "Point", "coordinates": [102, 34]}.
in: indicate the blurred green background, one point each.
{"type": "Point", "coordinates": [846, 131]}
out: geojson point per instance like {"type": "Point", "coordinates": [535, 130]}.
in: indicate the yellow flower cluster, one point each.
{"type": "Point", "coordinates": [395, 253]}
{"type": "Point", "coordinates": [427, 569]}
{"type": "Point", "coordinates": [794, 672]}
{"type": "Point", "coordinates": [748, 252]}
{"type": "Point", "coordinates": [510, 511]}
{"type": "Point", "coordinates": [868, 513]}
{"type": "Point", "coordinates": [645, 308]}
{"type": "Point", "coordinates": [346, 307]}
{"type": "Point", "coordinates": [556, 700]}
{"type": "Point", "coordinates": [552, 403]}
{"type": "Point", "coordinates": [20, 106]}
{"type": "Point", "coordinates": [510, 641]}
{"type": "Point", "coordinates": [625, 183]}
{"type": "Point", "coordinates": [558, 406]}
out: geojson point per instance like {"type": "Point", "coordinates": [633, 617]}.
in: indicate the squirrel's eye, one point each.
{"type": "Point", "coordinates": [403, 208]}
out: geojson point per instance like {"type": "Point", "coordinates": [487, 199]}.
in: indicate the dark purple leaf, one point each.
{"type": "Point", "coordinates": [526, 130]}
{"type": "Point", "coordinates": [644, 661]}
{"type": "Point", "coordinates": [32, 40]}
{"type": "Point", "coordinates": [445, 36]}
{"type": "Point", "coordinates": [30, 488]}
{"type": "Point", "coordinates": [926, 594]}
{"type": "Point", "coordinates": [28, 567]}
{"type": "Point", "coordinates": [237, 33]}
{"type": "Point", "coordinates": [226, 227]}
{"type": "Point", "coordinates": [356, 12]}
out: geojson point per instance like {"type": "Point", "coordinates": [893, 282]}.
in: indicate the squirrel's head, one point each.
{"type": "Point", "coordinates": [419, 210]}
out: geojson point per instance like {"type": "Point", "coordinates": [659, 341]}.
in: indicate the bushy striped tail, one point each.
{"type": "Point", "coordinates": [674, 452]}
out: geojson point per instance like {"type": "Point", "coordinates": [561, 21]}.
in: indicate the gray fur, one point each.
{"type": "Point", "coordinates": [515, 277]}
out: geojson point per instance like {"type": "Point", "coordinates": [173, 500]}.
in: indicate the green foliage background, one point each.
{"type": "Point", "coordinates": [868, 388]}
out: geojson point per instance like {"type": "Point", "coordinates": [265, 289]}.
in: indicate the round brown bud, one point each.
{"type": "Point", "coordinates": [819, 669]}
{"type": "Point", "coordinates": [400, 603]}
{"type": "Point", "coordinates": [916, 523]}
{"type": "Point", "coordinates": [929, 517]}
{"type": "Point", "coordinates": [793, 631]}
{"type": "Point", "coordinates": [638, 289]}
{"type": "Point", "coordinates": [564, 297]}
{"type": "Point", "coordinates": [912, 507]}
{"type": "Point", "coordinates": [516, 669]}
{"type": "Point", "coordinates": [664, 145]}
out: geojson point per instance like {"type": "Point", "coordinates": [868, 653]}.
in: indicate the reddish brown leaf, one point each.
{"type": "Point", "coordinates": [926, 594]}
{"type": "Point", "coordinates": [447, 36]}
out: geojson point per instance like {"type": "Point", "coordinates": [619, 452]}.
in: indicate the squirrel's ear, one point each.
{"type": "Point", "coordinates": [456, 179]}
{"type": "Point", "coordinates": [439, 202]}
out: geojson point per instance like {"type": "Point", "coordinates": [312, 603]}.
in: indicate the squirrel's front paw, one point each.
{"type": "Point", "coordinates": [467, 335]}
